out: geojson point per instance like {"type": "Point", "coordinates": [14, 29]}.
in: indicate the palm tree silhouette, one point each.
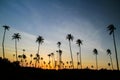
{"type": "Point", "coordinates": [111, 30]}
{"type": "Point", "coordinates": [5, 28]}
{"type": "Point", "coordinates": [109, 53]}
{"type": "Point", "coordinates": [60, 60]}
{"type": "Point", "coordinates": [49, 55]}
{"type": "Point", "coordinates": [60, 53]}
{"type": "Point", "coordinates": [96, 53]}
{"type": "Point", "coordinates": [31, 59]}
{"type": "Point", "coordinates": [79, 42]}
{"type": "Point", "coordinates": [53, 59]}
{"type": "Point", "coordinates": [59, 44]}
{"type": "Point", "coordinates": [16, 36]}
{"type": "Point", "coordinates": [40, 40]}
{"type": "Point", "coordinates": [70, 38]}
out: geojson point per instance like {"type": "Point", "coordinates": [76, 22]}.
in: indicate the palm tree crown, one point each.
{"type": "Point", "coordinates": [59, 44]}
{"type": "Point", "coordinates": [69, 37]}
{"type": "Point", "coordinates": [6, 27]}
{"type": "Point", "coordinates": [109, 52]}
{"type": "Point", "coordinates": [79, 42]}
{"type": "Point", "coordinates": [95, 51]}
{"type": "Point", "coordinates": [16, 36]}
{"type": "Point", "coordinates": [40, 40]}
{"type": "Point", "coordinates": [111, 28]}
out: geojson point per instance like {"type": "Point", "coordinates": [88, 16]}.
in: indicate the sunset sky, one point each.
{"type": "Point", "coordinates": [54, 19]}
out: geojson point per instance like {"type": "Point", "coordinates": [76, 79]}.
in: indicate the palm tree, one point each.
{"type": "Point", "coordinates": [40, 40]}
{"type": "Point", "coordinates": [70, 38]}
{"type": "Point", "coordinates": [111, 30]}
{"type": "Point", "coordinates": [109, 53]}
{"type": "Point", "coordinates": [31, 58]}
{"type": "Point", "coordinates": [16, 36]}
{"type": "Point", "coordinates": [60, 53]}
{"type": "Point", "coordinates": [49, 55]}
{"type": "Point", "coordinates": [60, 60]}
{"type": "Point", "coordinates": [5, 28]}
{"type": "Point", "coordinates": [96, 53]}
{"type": "Point", "coordinates": [53, 59]}
{"type": "Point", "coordinates": [79, 42]}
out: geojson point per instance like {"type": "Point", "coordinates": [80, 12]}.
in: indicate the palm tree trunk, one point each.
{"type": "Point", "coordinates": [54, 61]}
{"type": "Point", "coordinates": [38, 53]}
{"type": "Point", "coordinates": [111, 62]}
{"type": "Point", "coordinates": [16, 49]}
{"type": "Point", "coordinates": [60, 61]}
{"type": "Point", "coordinates": [3, 43]}
{"type": "Point", "coordinates": [96, 63]}
{"type": "Point", "coordinates": [71, 54]}
{"type": "Point", "coordinates": [38, 48]}
{"type": "Point", "coordinates": [49, 62]}
{"type": "Point", "coordinates": [115, 51]}
{"type": "Point", "coordinates": [77, 61]}
{"type": "Point", "coordinates": [80, 56]}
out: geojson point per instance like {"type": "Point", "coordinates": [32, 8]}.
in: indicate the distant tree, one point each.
{"type": "Point", "coordinates": [109, 64]}
{"type": "Point", "coordinates": [53, 59]}
{"type": "Point", "coordinates": [70, 38]}
{"type": "Point", "coordinates": [59, 45]}
{"type": "Point", "coordinates": [60, 58]}
{"type": "Point", "coordinates": [16, 36]}
{"type": "Point", "coordinates": [109, 53]}
{"type": "Point", "coordinates": [111, 30]}
{"type": "Point", "coordinates": [49, 55]}
{"type": "Point", "coordinates": [24, 57]}
{"type": "Point", "coordinates": [5, 28]}
{"type": "Point", "coordinates": [96, 53]}
{"type": "Point", "coordinates": [79, 42]}
{"type": "Point", "coordinates": [31, 59]}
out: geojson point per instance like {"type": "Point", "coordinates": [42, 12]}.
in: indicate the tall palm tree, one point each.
{"type": "Point", "coordinates": [70, 38]}
{"type": "Point", "coordinates": [111, 30]}
{"type": "Point", "coordinates": [96, 53]}
{"type": "Point", "coordinates": [109, 53]}
{"type": "Point", "coordinates": [40, 40]}
{"type": "Point", "coordinates": [60, 53]}
{"type": "Point", "coordinates": [5, 28]}
{"type": "Point", "coordinates": [79, 42]}
{"type": "Point", "coordinates": [16, 36]}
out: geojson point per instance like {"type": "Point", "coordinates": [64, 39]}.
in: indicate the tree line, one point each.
{"type": "Point", "coordinates": [16, 36]}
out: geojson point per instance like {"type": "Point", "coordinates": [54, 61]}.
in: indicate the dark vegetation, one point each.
{"type": "Point", "coordinates": [13, 71]}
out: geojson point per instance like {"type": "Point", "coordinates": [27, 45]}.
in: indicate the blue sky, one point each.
{"type": "Point", "coordinates": [54, 19]}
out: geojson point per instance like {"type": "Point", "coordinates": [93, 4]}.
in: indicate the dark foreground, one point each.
{"type": "Point", "coordinates": [12, 71]}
